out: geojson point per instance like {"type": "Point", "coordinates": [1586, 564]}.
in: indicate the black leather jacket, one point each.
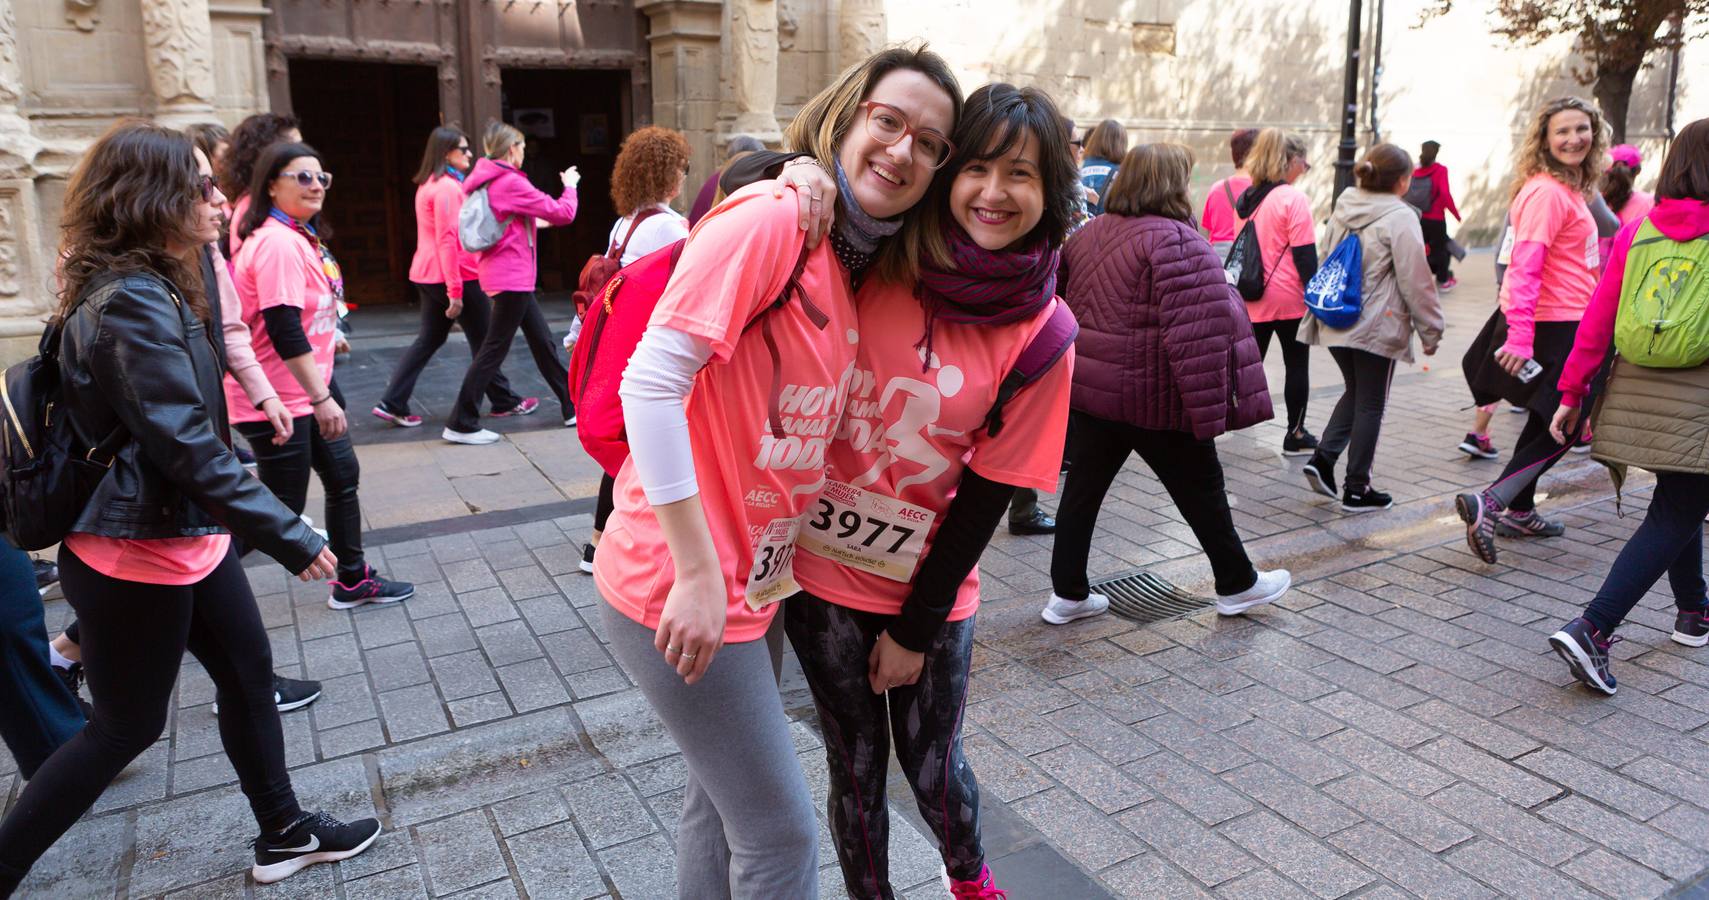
{"type": "Point", "coordinates": [134, 354]}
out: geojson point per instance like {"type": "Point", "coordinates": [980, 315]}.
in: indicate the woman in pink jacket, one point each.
{"type": "Point", "coordinates": [444, 273]}
{"type": "Point", "coordinates": [507, 275]}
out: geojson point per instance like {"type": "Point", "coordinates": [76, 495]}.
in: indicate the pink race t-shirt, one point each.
{"type": "Point", "coordinates": [1284, 222]}
{"type": "Point", "coordinates": [905, 439]}
{"type": "Point", "coordinates": [754, 486]}
{"type": "Point", "coordinates": [1219, 219]}
{"type": "Point", "coordinates": [1549, 213]}
{"type": "Point", "coordinates": [1637, 206]}
{"type": "Point", "coordinates": [175, 561]}
{"type": "Point", "coordinates": [279, 267]}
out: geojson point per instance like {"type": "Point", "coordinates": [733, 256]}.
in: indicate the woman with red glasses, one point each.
{"type": "Point", "coordinates": [289, 285]}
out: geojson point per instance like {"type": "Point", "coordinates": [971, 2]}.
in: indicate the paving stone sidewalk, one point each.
{"type": "Point", "coordinates": [1395, 727]}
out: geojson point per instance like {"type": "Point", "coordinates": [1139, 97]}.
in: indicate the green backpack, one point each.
{"type": "Point", "coordinates": [1663, 322]}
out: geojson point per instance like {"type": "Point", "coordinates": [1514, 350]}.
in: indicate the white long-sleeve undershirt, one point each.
{"type": "Point", "coordinates": [654, 393]}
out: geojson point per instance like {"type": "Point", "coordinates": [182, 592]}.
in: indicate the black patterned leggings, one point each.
{"type": "Point", "coordinates": [924, 719]}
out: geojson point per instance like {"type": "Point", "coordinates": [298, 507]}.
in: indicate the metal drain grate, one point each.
{"type": "Point", "coordinates": [1145, 598]}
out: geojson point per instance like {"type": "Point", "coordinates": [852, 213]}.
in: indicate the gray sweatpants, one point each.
{"type": "Point", "coordinates": [747, 830]}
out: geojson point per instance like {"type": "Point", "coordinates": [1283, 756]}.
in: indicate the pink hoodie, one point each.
{"type": "Point", "coordinates": [1681, 220]}
{"type": "Point", "coordinates": [509, 264]}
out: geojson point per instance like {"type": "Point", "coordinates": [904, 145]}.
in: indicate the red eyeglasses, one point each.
{"type": "Point", "coordinates": [887, 125]}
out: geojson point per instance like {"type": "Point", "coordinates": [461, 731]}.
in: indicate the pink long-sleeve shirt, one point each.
{"type": "Point", "coordinates": [1553, 264]}
{"type": "Point", "coordinates": [1680, 220]}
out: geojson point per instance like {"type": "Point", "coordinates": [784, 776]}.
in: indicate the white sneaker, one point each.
{"type": "Point", "coordinates": [470, 437]}
{"type": "Point", "coordinates": [570, 422]}
{"type": "Point", "coordinates": [1269, 587]}
{"type": "Point", "coordinates": [1059, 611]}
{"type": "Point", "coordinates": [311, 523]}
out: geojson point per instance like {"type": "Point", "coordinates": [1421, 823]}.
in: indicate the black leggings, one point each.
{"type": "Point", "coordinates": [511, 310]}
{"type": "Point", "coordinates": [924, 719]}
{"type": "Point", "coordinates": [1358, 416]}
{"type": "Point", "coordinates": [1296, 363]}
{"type": "Point", "coordinates": [1190, 471]}
{"type": "Point", "coordinates": [285, 471]}
{"type": "Point", "coordinates": [1436, 248]}
{"type": "Point", "coordinates": [133, 638]}
{"type": "Point", "coordinates": [607, 502]}
{"type": "Point", "coordinates": [475, 317]}
{"type": "Point", "coordinates": [1535, 454]}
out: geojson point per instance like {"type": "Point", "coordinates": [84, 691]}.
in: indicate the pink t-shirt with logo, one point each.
{"type": "Point", "coordinates": [1284, 222]}
{"type": "Point", "coordinates": [279, 267]}
{"type": "Point", "coordinates": [753, 485]}
{"type": "Point", "coordinates": [1219, 219]}
{"type": "Point", "coordinates": [175, 561]}
{"type": "Point", "coordinates": [1550, 214]}
{"type": "Point", "coordinates": [908, 434]}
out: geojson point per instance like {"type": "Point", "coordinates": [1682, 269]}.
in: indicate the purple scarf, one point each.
{"type": "Point", "coordinates": [985, 287]}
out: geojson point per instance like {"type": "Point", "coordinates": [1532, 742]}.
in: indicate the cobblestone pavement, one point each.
{"type": "Point", "coordinates": [1396, 726]}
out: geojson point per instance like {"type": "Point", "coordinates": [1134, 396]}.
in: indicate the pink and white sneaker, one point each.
{"type": "Point", "coordinates": [526, 407]}
{"type": "Point", "coordinates": [980, 888]}
{"type": "Point", "coordinates": [404, 421]}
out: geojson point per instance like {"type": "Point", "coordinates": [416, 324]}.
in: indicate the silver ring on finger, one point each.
{"type": "Point", "coordinates": [669, 649]}
{"type": "Point", "coordinates": [689, 656]}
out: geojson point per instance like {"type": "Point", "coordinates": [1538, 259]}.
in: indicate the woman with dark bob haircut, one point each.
{"type": "Point", "coordinates": [1167, 363]}
{"type": "Point", "coordinates": [248, 140]}
{"type": "Point", "coordinates": [149, 565]}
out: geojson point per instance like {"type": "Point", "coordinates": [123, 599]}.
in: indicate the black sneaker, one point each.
{"type": "Point", "coordinates": [1527, 524]}
{"type": "Point", "coordinates": [587, 558]}
{"type": "Point", "coordinates": [1299, 445]}
{"type": "Point", "coordinates": [47, 574]}
{"type": "Point", "coordinates": [1037, 523]}
{"type": "Point", "coordinates": [1478, 446]}
{"type": "Point", "coordinates": [370, 588]}
{"type": "Point", "coordinates": [72, 677]}
{"type": "Point", "coordinates": [1320, 475]}
{"type": "Point", "coordinates": [1365, 499]}
{"type": "Point", "coordinates": [1691, 627]}
{"type": "Point", "coordinates": [314, 838]}
{"type": "Point", "coordinates": [1585, 651]}
{"type": "Point", "coordinates": [289, 693]}
{"type": "Point", "coordinates": [1479, 515]}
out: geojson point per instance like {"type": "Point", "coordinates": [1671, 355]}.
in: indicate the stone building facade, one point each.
{"type": "Point", "coordinates": [368, 78]}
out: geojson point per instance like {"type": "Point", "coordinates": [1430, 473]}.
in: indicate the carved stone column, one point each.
{"type": "Point", "coordinates": [753, 68]}
{"type": "Point", "coordinates": [682, 38]}
{"type": "Point", "coordinates": [180, 50]}
{"type": "Point", "coordinates": [11, 75]}
{"type": "Point", "coordinates": [862, 30]}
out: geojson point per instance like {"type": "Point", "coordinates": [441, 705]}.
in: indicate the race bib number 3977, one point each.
{"type": "Point", "coordinates": [867, 531]}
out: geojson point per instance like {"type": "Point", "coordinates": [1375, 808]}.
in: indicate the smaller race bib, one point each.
{"type": "Point", "coordinates": [772, 577]}
{"type": "Point", "coordinates": [1504, 256]}
{"type": "Point", "coordinates": [1592, 253]}
{"type": "Point", "coordinates": [867, 531]}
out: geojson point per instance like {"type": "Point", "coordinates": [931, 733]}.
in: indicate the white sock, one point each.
{"type": "Point", "coordinates": [58, 659]}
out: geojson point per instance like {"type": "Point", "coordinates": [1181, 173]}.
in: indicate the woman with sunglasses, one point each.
{"type": "Point", "coordinates": [149, 564]}
{"type": "Point", "coordinates": [289, 285]}
{"type": "Point", "coordinates": [445, 275]}
{"type": "Point", "coordinates": [697, 556]}
{"type": "Point", "coordinates": [507, 275]}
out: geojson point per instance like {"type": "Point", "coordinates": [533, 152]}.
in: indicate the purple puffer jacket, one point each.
{"type": "Point", "coordinates": [1164, 341]}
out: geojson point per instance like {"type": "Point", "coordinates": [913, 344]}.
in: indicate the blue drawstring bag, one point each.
{"type": "Point", "coordinates": [1335, 294]}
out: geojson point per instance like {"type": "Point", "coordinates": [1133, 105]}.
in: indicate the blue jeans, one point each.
{"type": "Point", "coordinates": [37, 713]}
{"type": "Point", "coordinates": [1670, 540]}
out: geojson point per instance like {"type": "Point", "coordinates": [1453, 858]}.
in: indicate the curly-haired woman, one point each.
{"type": "Point", "coordinates": [651, 169]}
{"type": "Point", "coordinates": [149, 564]}
{"type": "Point", "coordinates": [248, 140]}
{"type": "Point", "coordinates": [1553, 263]}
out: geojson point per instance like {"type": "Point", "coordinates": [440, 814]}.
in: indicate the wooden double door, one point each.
{"type": "Point", "coordinates": [369, 80]}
